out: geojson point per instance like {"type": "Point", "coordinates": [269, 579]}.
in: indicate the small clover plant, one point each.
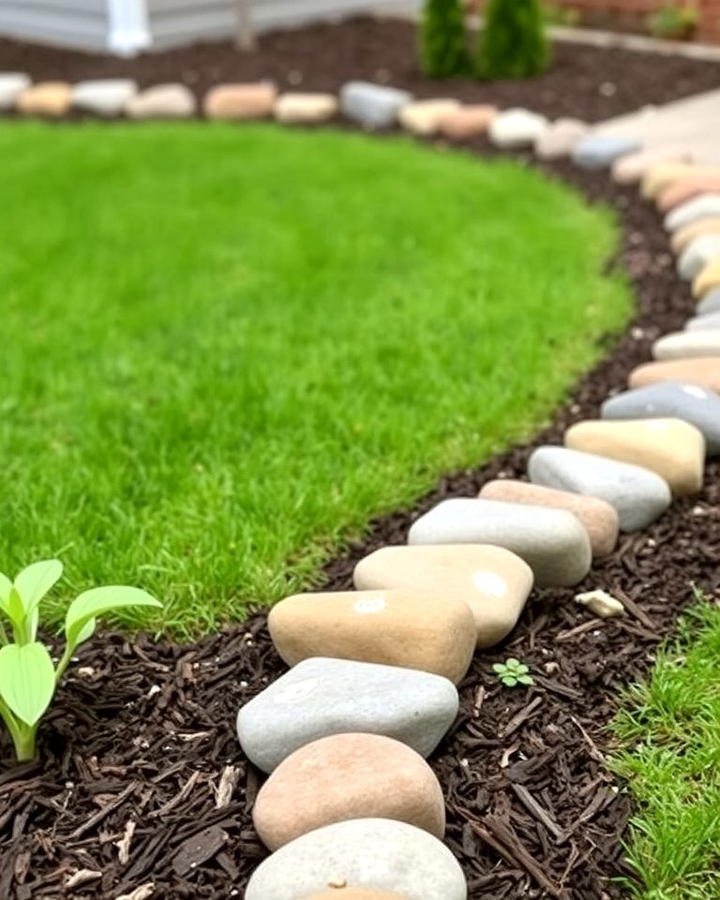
{"type": "Point", "coordinates": [28, 677]}
{"type": "Point", "coordinates": [512, 672]}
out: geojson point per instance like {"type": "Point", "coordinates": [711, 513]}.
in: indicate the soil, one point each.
{"type": "Point", "coordinates": [140, 779]}
{"type": "Point", "coordinates": [588, 82]}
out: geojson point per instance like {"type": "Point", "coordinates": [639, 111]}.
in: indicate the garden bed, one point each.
{"type": "Point", "coordinates": [142, 731]}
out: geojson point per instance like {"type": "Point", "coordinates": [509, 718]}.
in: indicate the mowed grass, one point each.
{"type": "Point", "coordinates": [226, 348]}
{"type": "Point", "coordinates": [670, 735]}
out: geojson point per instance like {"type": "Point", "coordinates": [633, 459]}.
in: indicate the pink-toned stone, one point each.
{"type": "Point", "coordinates": [49, 99]}
{"type": "Point", "coordinates": [703, 371]}
{"type": "Point", "coordinates": [599, 518]}
{"type": "Point", "coordinates": [423, 116]}
{"type": "Point", "coordinates": [240, 102]}
{"type": "Point", "coordinates": [494, 582]}
{"type": "Point", "coordinates": [685, 236]}
{"type": "Point", "coordinates": [631, 168]}
{"type": "Point", "coordinates": [660, 177]}
{"type": "Point", "coordinates": [687, 188]}
{"type": "Point", "coordinates": [560, 138]}
{"type": "Point", "coordinates": [672, 448]}
{"type": "Point", "coordinates": [421, 630]}
{"type": "Point", "coordinates": [348, 776]}
{"type": "Point", "coordinates": [467, 121]}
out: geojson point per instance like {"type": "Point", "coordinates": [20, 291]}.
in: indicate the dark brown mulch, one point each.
{"type": "Point", "coordinates": [589, 82]}
{"type": "Point", "coordinates": [142, 733]}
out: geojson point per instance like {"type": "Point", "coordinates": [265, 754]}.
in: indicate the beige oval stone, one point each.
{"type": "Point", "coordinates": [348, 776]}
{"type": "Point", "coordinates": [631, 168]}
{"type": "Point", "coordinates": [297, 108]}
{"type": "Point", "coordinates": [162, 101]}
{"type": "Point", "coordinates": [50, 99]}
{"type": "Point", "coordinates": [701, 371]}
{"type": "Point", "coordinates": [707, 280]}
{"type": "Point", "coordinates": [345, 892]}
{"type": "Point", "coordinates": [423, 116]}
{"type": "Point", "coordinates": [467, 121]}
{"type": "Point", "coordinates": [701, 342]}
{"type": "Point", "coordinates": [672, 448]}
{"type": "Point", "coordinates": [239, 102]}
{"type": "Point", "coordinates": [428, 631]}
{"type": "Point", "coordinates": [492, 581]}
{"type": "Point", "coordinates": [685, 189]}
{"type": "Point", "coordinates": [685, 236]}
{"type": "Point", "coordinates": [659, 177]}
{"type": "Point", "coordinates": [599, 518]}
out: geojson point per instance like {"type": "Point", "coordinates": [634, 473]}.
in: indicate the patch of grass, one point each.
{"type": "Point", "coordinates": [226, 348]}
{"type": "Point", "coordinates": [670, 734]}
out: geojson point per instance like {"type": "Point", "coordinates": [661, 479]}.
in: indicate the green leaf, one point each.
{"type": "Point", "coordinates": [509, 681]}
{"type": "Point", "coordinates": [36, 580]}
{"type": "Point", "coordinates": [15, 611]}
{"type": "Point", "coordinates": [512, 662]}
{"type": "Point", "coordinates": [98, 601]}
{"type": "Point", "coordinates": [5, 588]}
{"type": "Point", "coordinates": [27, 680]}
{"type": "Point", "coordinates": [499, 668]}
{"type": "Point", "coordinates": [526, 679]}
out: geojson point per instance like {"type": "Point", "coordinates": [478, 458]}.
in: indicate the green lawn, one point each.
{"type": "Point", "coordinates": [225, 348]}
{"type": "Point", "coordinates": [670, 735]}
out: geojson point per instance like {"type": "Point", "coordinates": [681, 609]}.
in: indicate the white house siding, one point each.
{"type": "Point", "coordinates": [70, 23]}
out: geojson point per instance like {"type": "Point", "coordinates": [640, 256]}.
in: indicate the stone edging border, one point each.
{"type": "Point", "coordinates": [349, 848]}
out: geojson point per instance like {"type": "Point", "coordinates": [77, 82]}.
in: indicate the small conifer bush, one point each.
{"type": "Point", "coordinates": [443, 40]}
{"type": "Point", "coordinates": [513, 43]}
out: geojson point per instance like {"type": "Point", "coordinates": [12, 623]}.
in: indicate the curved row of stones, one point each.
{"type": "Point", "coordinates": [350, 807]}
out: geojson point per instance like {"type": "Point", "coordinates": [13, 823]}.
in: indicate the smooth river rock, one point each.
{"type": "Point", "coordinates": [164, 101]}
{"type": "Point", "coordinates": [348, 776]}
{"type": "Point", "coordinates": [660, 176]}
{"type": "Point", "coordinates": [320, 697]}
{"type": "Point", "coordinates": [683, 237]}
{"type": "Point", "coordinates": [551, 541]}
{"type": "Point", "coordinates": [47, 99]}
{"type": "Point", "coordinates": [303, 109]}
{"type": "Point", "coordinates": [467, 121]}
{"type": "Point", "coordinates": [423, 117]}
{"type": "Point", "coordinates": [377, 854]}
{"type": "Point", "coordinates": [707, 280]}
{"type": "Point", "coordinates": [560, 137]}
{"type": "Point", "coordinates": [106, 97]}
{"type": "Point", "coordinates": [417, 630]}
{"type": "Point", "coordinates": [690, 402]}
{"type": "Point", "coordinates": [706, 206]}
{"type": "Point", "coordinates": [672, 448]}
{"type": "Point", "coordinates": [345, 893]}
{"type": "Point", "coordinates": [494, 582]}
{"type": "Point", "coordinates": [599, 519]}
{"type": "Point", "coordinates": [638, 495]}
{"type": "Point", "coordinates": [710, 303]}
{"type": "Point", "coordinates": [698, 254]}
{"type": "Point", "coordinates": [631, 168]}
{"type": "Point", "coordinates": [372, 105]}
{"type": "Point", "coordinates": [240, 102]}
{"type": "Point", "coordinates": [12, 84]}
{"type": "Point", "coordinates": [710, 321]}
{"type": "Point", "coordinates": [704, 372]}
{"type": "Point", "coordinates": [598, 151]}
{"type": "Point", "coordinates": [516, 128]}
{"type": "Point", "coordinates": [685, 189]}
{"type": "Point", "coordinates": [687, 345]}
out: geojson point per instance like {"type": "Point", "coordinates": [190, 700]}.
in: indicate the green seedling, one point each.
{"type": "Point", "coordinates": [28, 677]}
{"type": "Point", "coordinates": [512, 672]}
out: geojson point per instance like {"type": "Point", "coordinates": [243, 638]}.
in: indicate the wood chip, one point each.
{"type": "Point", "coordinates": [226, 788]}
{"type": "Point", "coordinates": [123, 844]}
{"type": "Point", "coordinates": [199, 849]}
{"type": "Point", "coordinates": [82, 876]}
{"type": "Point", "coordinates": [140, 893]}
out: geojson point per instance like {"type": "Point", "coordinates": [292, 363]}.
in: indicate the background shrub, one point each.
{"type": "Point", "coordinates": [443, 40]}
{"type": "Point", "coordinates": [513, 43]}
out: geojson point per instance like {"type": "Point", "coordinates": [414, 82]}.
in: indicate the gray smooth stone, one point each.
{"type": "Point", "coordinates": [708, 322]}
{"type": "Point", "coordinates": [680, 400]}
{"type": "Point", "coordinates": [12, 84]}
{"type": "Point", "coordinates": [638, 495]}
{"type": "Point", "coordinates": [705, 206]}
{"type": "Point", "coordinates": [698, 253]}
{"type": "Point", "coordinates": [370, 853]}
{"type": "Point", "coordinates": [710, 303]}
{"type": "Point", "coordinates": [105, 96]}
{"type": "Point", "coordinates": [373, 105]}
{"type": "Point", "coordinates": [600, 151]}
{"type": "Point", "coordinates": [321, 697]}
{"type": "Point", "coordinates": [551, 541]}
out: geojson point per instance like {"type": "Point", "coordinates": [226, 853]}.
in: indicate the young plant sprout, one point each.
{"type": "Point", "coordinates": [28, 677]}
{"type": "Point", "coordinates": [512, 672]}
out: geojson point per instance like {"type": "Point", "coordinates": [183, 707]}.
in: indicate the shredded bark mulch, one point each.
{"type": "Point", "coordinates": [592, 83]}
{"type": "Point", "coordinates": [141, 782]}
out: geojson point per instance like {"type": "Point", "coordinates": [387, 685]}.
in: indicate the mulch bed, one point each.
{"type": "Point", "coordinates": [141, 780]}
{"type": "Point", "coordinates": [591, 83]}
